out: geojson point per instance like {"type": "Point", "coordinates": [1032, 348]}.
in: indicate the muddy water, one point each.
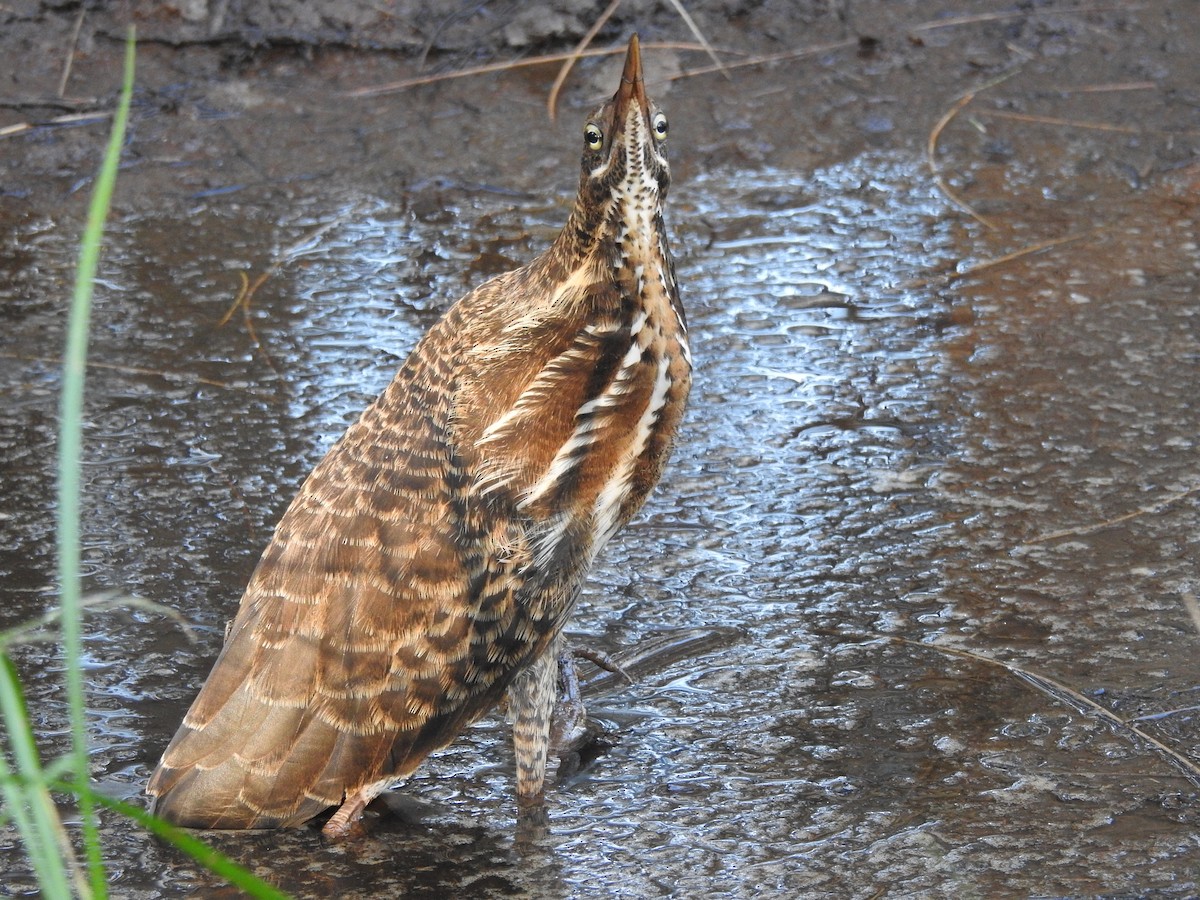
{"type": "Point", "coordinates": [883, 451]}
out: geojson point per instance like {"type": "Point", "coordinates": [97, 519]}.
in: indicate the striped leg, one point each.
{"type": "Point", "coordinates": [530, 707]}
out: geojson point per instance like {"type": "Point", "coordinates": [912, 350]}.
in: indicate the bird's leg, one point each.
{"type": "Point", "coordinates": [346, 818]}
{"type": "Point", "coordinates": [546, 709]}
{"type": "Point", "coordinates": [344, 821]}
{"type": "Point", "coordinates": [530, 706]}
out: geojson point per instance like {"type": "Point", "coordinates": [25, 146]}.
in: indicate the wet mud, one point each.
{"type": "Point", "coordinates": [933, 513]}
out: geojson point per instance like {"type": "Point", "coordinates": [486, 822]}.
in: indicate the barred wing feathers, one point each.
{"type": "Point", "coordinates": [396, 600]}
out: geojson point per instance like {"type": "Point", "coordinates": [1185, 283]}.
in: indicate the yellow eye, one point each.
{"type": "Point", "coordinates": [593, 137]}
{"type": "Point", "coordinates": [659, 124]}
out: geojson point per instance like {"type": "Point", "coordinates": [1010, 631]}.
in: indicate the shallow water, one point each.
{"type": "Point", "coordinates": [878, 455]}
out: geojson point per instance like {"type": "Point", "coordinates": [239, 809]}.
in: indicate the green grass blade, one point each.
{"type": "Point", "coordinates": [28, 799]}
{"type": "Point", "coordinates": [211, 859]}
{"type": "Point", "coordinates": [69, 462]}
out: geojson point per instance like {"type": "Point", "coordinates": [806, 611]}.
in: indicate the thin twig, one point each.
{"type": "Point", "coordinates": [1039, 247]}
{"type": "Point", "coordinates": [957, 21]}
{"type": "Point", "coordinates": [1112, 88]}
{"type": "Point", "coordinates": [1108, 523]}
{"type": "Point", "coordinates": [724, 68]}
{"type": "Point", "coordinates": [935, 135]}
{"type": "Point", "coordinates": [1054, 120]}
{"type": "Point", "coordinates": [1081, 123]}
{"type": "Point", "coordinates": [1059, 691]}
{"type": "Point", "coordinates": [931, 156]}
{"type": "Point", "coordinates": [695, 29]}
{"type": "Point", "coordinates": [22, 127]}
{"type": "Point", "coordinates": [1086, 705]}
{"type": "Point", "coordinates": [785, 56]}
{"type": "Point", "coordinates": [569, 62]}
{"type": "Point", "coordinates": [249, 288]}
{"type": "Point", "coordinates": [394, 86]}
{"type": "Point", "coordinates": [34, 629]}
{"type": "Point", "coordinates": [140, 370]}
{"type": "Point", "coordinates": [242, 301]}
{"type": "Point", "coordinates": [655, 652]}
{"type": "Point", "coordinates": [68, 103]}
{"type": "Point", "coordinates": [72, 44]}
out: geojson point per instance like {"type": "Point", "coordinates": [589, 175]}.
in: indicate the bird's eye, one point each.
{"type": "Point", "coordinates": [593, 137]}
{"type": "Point", "coordinates": [659, 124]}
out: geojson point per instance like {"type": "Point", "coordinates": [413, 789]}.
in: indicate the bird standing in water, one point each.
{"type": "Point", "coordinates": [431, 559]}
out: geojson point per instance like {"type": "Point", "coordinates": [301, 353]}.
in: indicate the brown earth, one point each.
{"type": "Point", "coordinates": [236, 95]}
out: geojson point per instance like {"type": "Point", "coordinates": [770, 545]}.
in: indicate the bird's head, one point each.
{"type": "Point", "coordinates": [624, 147]}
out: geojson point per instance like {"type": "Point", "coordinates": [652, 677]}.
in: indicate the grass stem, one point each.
{"type": "Point", "coordinates": [69, 465]}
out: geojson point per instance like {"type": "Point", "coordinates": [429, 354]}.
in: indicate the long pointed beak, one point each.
{"type": "Point", "coordinates": [632, 89]}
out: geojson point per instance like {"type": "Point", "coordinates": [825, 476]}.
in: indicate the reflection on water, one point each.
{"type": "Point", "coordinates": [871, 454]}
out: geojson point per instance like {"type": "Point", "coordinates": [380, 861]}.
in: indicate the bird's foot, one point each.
{"type": "Point", "coordinates": [568, 724]}
{"type": "Point", "coordinates": [575, 738]}
{"type": "Point", "coordinates": [347, 821]}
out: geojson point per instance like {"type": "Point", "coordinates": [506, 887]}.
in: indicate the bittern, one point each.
{"type": "Point", "coordinates": [430, 560]}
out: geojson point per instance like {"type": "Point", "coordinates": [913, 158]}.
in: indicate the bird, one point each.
{"type": "Point", "coordinates": [426, 568]}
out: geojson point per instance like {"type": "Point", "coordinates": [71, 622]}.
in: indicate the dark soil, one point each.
{"type": "Point", "coordinates": [258, 94]}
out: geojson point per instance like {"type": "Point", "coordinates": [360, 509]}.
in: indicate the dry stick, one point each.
{"type": "Point", "coordinates": [552, 100]}
{"type": "Point", "coordinates": [569, 62]}
{"type": "Point", "coordinates": [140, 370]}
{"type": "Point", "coordinates": [963, 101]}
{"type": "Point", "coordinates": [1108, 523]}
{"type": "Point", "coordinates": [1019, 51]}
{"type": "Point", "coordinates": [691, 24]}
{"type": "Point", "coordinates": [1073, 698]}
{"type": "Point", "coordinates": [931, 157]}
{"type": "Point", "coordinates": [72, 103]}
{"type": "Point", "coordinates": [1031, 249]}
{"type": "Point", "coordinates": [785, 56]}
{"type": "Point", "coordinates": [1039, 247]}
{"type": "Point", "coordinates": [789, 55]}
{"type": "Point", "coordinates": [957, 21]}
{"type": "Point", "coordinates": [656, 652]}
{"type": "Point", "coordinates": [242, 300]}
{"type": "Point", "coordinates": [22, 127]}
{"type": "Point", "coordinates": [74, 42]}
{"type": "Point", "coordinates": [1054, 120]}
{"type": "Point", "coordinates": [1085, 705]}
{"type": "Point", "coordinates": [394, 86]}
{"type": "Point", "coordinates": [724, 68]}
{"type": "Point", "coordinates": [38, 629]}
{"type": "Point", "coordinates": [1107, 88]}
{"type": "Point", "coordinates": [936, 133]}
{"type": "Point", "coordinates": [248, 289]}
{"type": "Point", "coordinates": [1078, 123]}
